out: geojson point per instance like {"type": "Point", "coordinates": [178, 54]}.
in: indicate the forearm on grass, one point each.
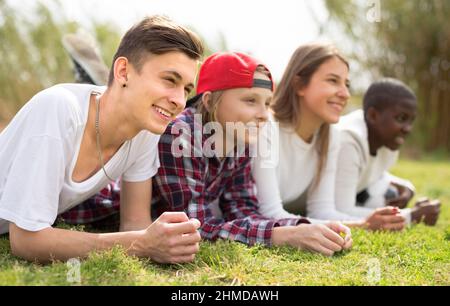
{"type": "Point", "coordinates": [282, 235]}
{"type": "Point", "coordinates": [57, 244]}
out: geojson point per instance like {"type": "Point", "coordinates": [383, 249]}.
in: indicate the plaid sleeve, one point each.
{"type": "Point", "coordinates": [240, 205]}
{"type": "Point", "coordinates": [181, 183]}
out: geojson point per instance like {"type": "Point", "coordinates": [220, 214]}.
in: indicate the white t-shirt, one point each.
{"type": "Point", "coordinates": [358, 170]}
{"type": "Point", "coordinates": [291, 177]}
{"type": "Point", "coordinates": [39, 150]}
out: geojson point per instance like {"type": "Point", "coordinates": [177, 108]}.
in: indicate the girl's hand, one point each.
{"type": "Point", "coordinates": [320, 238]}
{"type": "Point", "coordinates": [385, 218]}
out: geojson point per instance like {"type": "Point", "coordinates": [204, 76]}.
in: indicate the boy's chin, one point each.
{"type": "Point", "coordinates": [159, 130]}
{"type": "Point", "coordinates": [396, 143]}
{"type": "Point", "coordinates": [394, 147]}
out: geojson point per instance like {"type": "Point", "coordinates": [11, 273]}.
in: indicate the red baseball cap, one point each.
{"type": "Point", "coordinates": [227, 70]}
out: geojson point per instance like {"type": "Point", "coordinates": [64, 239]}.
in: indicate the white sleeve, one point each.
{"type": "Point", "coordinates": [147, 162]}
{"type": "Point", "coordinates": [37, 140]}
{"type": "Point", "coordinates": [265, 176]}
{"type": "Point", "coordinates": [401, 181]}
{"type": "Point", "coordinates": [30, 196]}
{"type": "Point", "coordinates": [348, 170]}
{"type": "Point", "coordinates": [321, 199]}
{"type": "Point", "coordinates": [377, 191]}
{"type": "Point", "coordinates": [268, 193]}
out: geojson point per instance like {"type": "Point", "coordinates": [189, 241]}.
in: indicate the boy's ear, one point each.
{"type": "Point", "coordinates": [206, 98]}
{"type": "Point", "coordinates": [121, 69]}
{"type": "Point", "coordinates": [372, 115]}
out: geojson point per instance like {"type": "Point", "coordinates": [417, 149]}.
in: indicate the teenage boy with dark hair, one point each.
{"type": "Point", "coordinates": [370, 140]}
{"type": "Point", "coordinates": [70, 140]}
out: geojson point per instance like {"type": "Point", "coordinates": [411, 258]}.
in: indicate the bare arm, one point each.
{"type": "Point", "coordinates": [135, 200]}
{"type": "Point", "coordinates": [58, 244]}
{"type": "Point", "coordinates": [173, 238]}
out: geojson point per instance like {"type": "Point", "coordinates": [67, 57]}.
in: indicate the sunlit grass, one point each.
{"type": "Point", "coordinates": [418, 256]}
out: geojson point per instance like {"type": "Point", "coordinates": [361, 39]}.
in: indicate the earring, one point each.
{"type": "Point", "coordinates": [124, 85]}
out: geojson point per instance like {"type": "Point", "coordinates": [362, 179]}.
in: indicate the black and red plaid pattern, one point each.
{"type": "Point", "coordinates": [193, 184]}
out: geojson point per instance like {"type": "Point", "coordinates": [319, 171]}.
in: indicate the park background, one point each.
{"type": "Point", "coordinates": [409, 40]}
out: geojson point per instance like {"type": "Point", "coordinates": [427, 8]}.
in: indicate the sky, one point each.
{"type": "Point", "coordinates": [268, 29]}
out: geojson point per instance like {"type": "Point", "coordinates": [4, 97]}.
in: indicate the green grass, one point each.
{"type": "Point", "coordinates": [418, 256]}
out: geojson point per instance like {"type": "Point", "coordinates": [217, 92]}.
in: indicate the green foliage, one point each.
{"type": "Point", "coordinates": [33, 57]}
{"type": "Point", "coordinates": [419, 255]}
{"type": "Point", "coordinates": [411, 42]}
{"type": "Point", "coordinates": [108, 37]}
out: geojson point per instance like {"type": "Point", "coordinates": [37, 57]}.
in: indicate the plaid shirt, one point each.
{"type": "Point", "coordinates": [97, 208]}
{"type": "Point", "coordinates": [195, 184]}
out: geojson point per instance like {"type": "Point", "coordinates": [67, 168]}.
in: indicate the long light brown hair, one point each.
{"type": "Point", "coordinates": [305, 61]}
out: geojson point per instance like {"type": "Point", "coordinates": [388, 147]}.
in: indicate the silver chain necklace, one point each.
{"type": "Point", "coordinates": [97, 132]}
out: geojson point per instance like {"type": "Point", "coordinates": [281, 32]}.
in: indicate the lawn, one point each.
{"type": "Point", "coordinates": [417, 256]}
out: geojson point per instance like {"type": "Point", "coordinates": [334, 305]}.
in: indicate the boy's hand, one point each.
{"type": "Point", "coordinates": [172, 238]}
{"type": "Point", "coordinates": [405, 195]}
{"type": "Point", "coordinates": [426, 211]}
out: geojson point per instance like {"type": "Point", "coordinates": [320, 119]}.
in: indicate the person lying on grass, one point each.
{"type": "Point", "coordinates": [310, 97]}
{"type": "Point", "coordinates": [70, 140]}
{"type": "Point", "coordinates": [218, 189]}
{"type": "Point", "coordinates": [208, 174]}
{"type": "Point", "coordinates": [370, 143]}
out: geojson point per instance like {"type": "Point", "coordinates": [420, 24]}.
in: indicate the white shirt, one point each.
{"type": "Point", "coordinates": [39, 150]}
{"type": "Point", "coordinates": [357, 169]}
{"type": "Point", "coordinates": [292, 176]}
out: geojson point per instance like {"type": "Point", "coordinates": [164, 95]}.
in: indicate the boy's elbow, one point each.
{"type": "Point", "coordinates": [24, 244]}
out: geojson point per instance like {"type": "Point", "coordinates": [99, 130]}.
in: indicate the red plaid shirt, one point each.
{"type": "Point", "coordinates": [194, 184]}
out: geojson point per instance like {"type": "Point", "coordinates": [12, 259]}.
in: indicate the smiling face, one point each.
{"type": "Point", "coordinates": [158, 93]}
{"type": "Point", "coordinates": [391, 125]}
{"type": "Point", "coordinates": [324, 98]}
{"type": "Point", "coordinates": [248, 106]}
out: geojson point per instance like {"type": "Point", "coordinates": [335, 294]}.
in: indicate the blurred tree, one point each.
{"type": "Point", "coordinates": [108, 38]}
{"type": "Point", "coordinates": [409, 40]}
{"type": "Point", "coordinates": [32, 54]}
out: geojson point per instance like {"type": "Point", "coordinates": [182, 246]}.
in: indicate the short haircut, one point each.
{"type": "Point", "coordinates": [386, 92]}
{"type": "Point", "coordinates": [156, 35]}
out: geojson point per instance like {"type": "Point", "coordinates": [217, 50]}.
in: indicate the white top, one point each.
{"type": "Point", "coordinates": [358, 170]}
{"type": "Point", "coordinates": [292, 174]}
{"type": "Point", "coordinates": [39, 150]}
